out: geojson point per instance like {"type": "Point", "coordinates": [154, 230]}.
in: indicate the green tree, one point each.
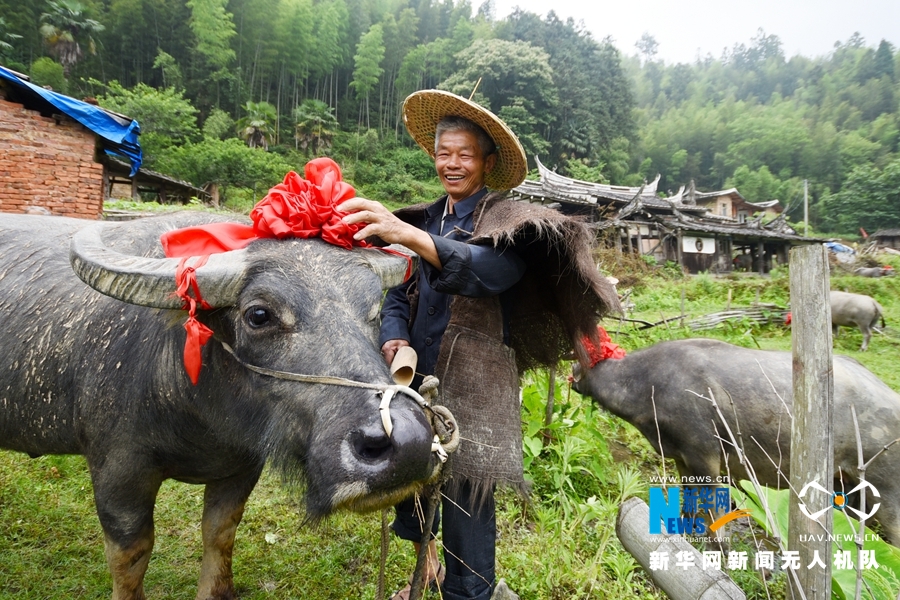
{"type": "Point", "coordinates": [330, 30]}
{"type": "Point", "coordinates": [647, 46]}
{"type": "Point", "coordinates": [761, 185]}
{"type": "Point", "coordinates": [870, 199]}
{"type": "Point", "coordinates": [367, 64]}
{"type": "Point", "coordinates": [228, 164]}
{"type": "Point", "coordinates": [595, 103]}
{"type": "Point", "coordinates": [166, 117]}
{"type": "Point", "coordinates": [425, 66]}
{"type": "Point", "coordinates": [294, 41]}
{"type": "Point", "coordinates": [218, 125]}
{"type": "Point", "coordinates": [63, 29]}
{"type": "Point", "coordinates": [213, 29]}
{"type": "Point", "coordinates": [47, 72]}
{"type": "Point", "coordinates": [171, 72]}
{"type": "Point", "coordinates": [137, 31]}
{"type": "Point", "coordinates": [21, 19]}
{"type": "Point", "coordinates": [6, 39]}
{"type": "Point", "coordinates": [315, 126]}
{"type": "Point", "coordinates": [516, 83]}
{"type": "Point", "coordinates": [884, 60]}
{"type": "Point", "coordinates": [257, 127]}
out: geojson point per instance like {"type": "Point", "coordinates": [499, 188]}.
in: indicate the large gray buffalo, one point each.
{"type": "Point", "coordinates": [100, 373]}
{"type": "Point", "coordinates": [747, 383]}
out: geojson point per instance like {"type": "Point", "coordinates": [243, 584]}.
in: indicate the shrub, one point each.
{"type": "Point", "coordinates": [47, 72]}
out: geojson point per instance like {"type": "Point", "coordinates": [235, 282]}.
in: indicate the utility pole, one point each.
{"type": "Point", "coordinates": [805, 208]}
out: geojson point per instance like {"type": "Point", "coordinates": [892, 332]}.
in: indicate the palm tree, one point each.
{"type": "Point", "coordinates": [316, 126]}
{"type": "Point", "coordinates": [256, 128]}
{"type": "Point", "coordinates": [5, 45]}
{"type": "Point", "coordinates": [62, 29]}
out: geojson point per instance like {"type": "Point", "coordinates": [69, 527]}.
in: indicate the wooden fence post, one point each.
{"type": "Point", "coordinates": [812, 452]}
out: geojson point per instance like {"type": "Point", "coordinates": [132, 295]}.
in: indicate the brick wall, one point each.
{"type": "Point", "coordinates": [46, 165]}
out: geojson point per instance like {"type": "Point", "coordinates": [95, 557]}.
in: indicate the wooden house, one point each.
{"type": "Point", "coordinates": [676, 228]}
{"type": "Point", "coordinates": [730, 204]}
{"type": "Point", "coordinates": [889, 238]}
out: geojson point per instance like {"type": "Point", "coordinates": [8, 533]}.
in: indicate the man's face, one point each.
{"type": "Point", "coordinates": [460, 165]}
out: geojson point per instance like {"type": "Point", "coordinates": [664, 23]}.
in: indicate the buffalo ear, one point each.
{"type": "Point", "coordinates": [151, 281]}
{"type": "Point", "coordinates": [392, 264]}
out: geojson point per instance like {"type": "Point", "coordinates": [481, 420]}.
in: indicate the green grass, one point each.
{"type": "Point", "coordinates": [561, 545]}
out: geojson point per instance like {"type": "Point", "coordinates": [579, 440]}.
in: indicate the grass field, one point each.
{"type": "Point", "coordinates": [561, 545]}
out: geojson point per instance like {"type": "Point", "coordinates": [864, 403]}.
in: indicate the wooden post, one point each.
{"type": "Point", "coordinates": [640, 242]}
{"type": "Point", "coordinates": [134, 189]}
{"type": "Point", "coordinates": [761, 257]}
{"type": "Point", "coordinates": [716, 254]}
{"type": "Point", "coordinates": [106, 184]}
{"type": "Point", "coordinates": [679, 250]}
{"type": "Point", "coordinates": [812, 451]}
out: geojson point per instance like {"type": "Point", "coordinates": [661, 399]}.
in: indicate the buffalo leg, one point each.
{"type": "Point", "coordinates": [867, 335]}
{"type": "Point", "coordinates": [125, 506]}
{"type": "Point", "coordinates": [223, 508]}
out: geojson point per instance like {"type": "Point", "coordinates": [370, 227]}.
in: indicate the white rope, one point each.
{"type": "Point", "coordinates": [388, 392]}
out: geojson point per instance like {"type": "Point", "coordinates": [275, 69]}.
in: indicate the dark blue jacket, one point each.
{"type": "Point", "coordinates": [467, 269]}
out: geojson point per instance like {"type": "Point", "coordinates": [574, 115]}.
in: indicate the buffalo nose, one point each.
{"type": "Point", "coordinates": [403, 457]}
{"type": "Point", "coordinates": [371, 443]}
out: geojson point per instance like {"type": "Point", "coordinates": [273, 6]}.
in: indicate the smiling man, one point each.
{"type": "Point", "coordinates": [483, 306]}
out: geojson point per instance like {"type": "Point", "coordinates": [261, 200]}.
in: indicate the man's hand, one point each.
{"type": "Point", "coordinates": [382, 222]}
{"type": "Point", "coordinates": [390, 349]}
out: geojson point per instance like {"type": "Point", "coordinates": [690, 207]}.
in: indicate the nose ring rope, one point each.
{"type": "Point", "coordinates": [442, 449]}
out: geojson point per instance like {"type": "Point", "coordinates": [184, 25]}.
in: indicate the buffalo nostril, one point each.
{"type": "Point", "coordinates": [371, 444]}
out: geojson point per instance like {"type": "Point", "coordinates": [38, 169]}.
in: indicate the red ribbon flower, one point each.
{"type": "Point", "coordinates": [297, 207]}
{"type": "Point", "coordinates": [304, 208]}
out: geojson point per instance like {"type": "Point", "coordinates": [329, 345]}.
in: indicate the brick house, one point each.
{"type": "Point", "coordinates": [52, 150]}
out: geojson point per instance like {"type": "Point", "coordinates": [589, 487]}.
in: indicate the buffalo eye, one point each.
{"type": "Point", "coordinates": [257, 316]}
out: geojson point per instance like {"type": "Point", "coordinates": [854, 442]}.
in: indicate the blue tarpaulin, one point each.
{"type": "Point", "coordinates": [118, 136]}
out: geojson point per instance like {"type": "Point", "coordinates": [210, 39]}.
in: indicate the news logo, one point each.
{"type": "Point", "coordinates": [680, 511]}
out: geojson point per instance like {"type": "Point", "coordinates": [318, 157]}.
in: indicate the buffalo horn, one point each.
{"type": "Point", "coordinates": [390, 267]}
{"type": "Point", "coordinates": [151, 281]}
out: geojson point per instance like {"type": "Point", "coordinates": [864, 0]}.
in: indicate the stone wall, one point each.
{"type": "Point", "coordinates": [45, 166]}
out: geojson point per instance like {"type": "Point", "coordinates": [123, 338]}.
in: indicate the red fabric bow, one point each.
{"type": "Point", "coordinates": [305, 208]}
{"type": "Point", "coordinates": [606, 350]}
{"type": "Point", "coordinates": [297, 207]}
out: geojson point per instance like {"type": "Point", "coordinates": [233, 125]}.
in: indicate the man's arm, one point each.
{"type": "Point", "coordinates": [473, 269]}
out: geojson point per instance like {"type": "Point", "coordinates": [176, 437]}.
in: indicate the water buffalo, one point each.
{"type": "Point", "coordinates": [874, 271]}
{"type": "Point", "coordinates": [102, 375]}
{"type": "Point", "coordinates": [746, 385]}
{"type": "Point", "coordinates": [855, 310]}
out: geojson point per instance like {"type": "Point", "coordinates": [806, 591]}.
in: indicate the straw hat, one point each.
{"type": "Point", "coordinates": [423, 110]}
